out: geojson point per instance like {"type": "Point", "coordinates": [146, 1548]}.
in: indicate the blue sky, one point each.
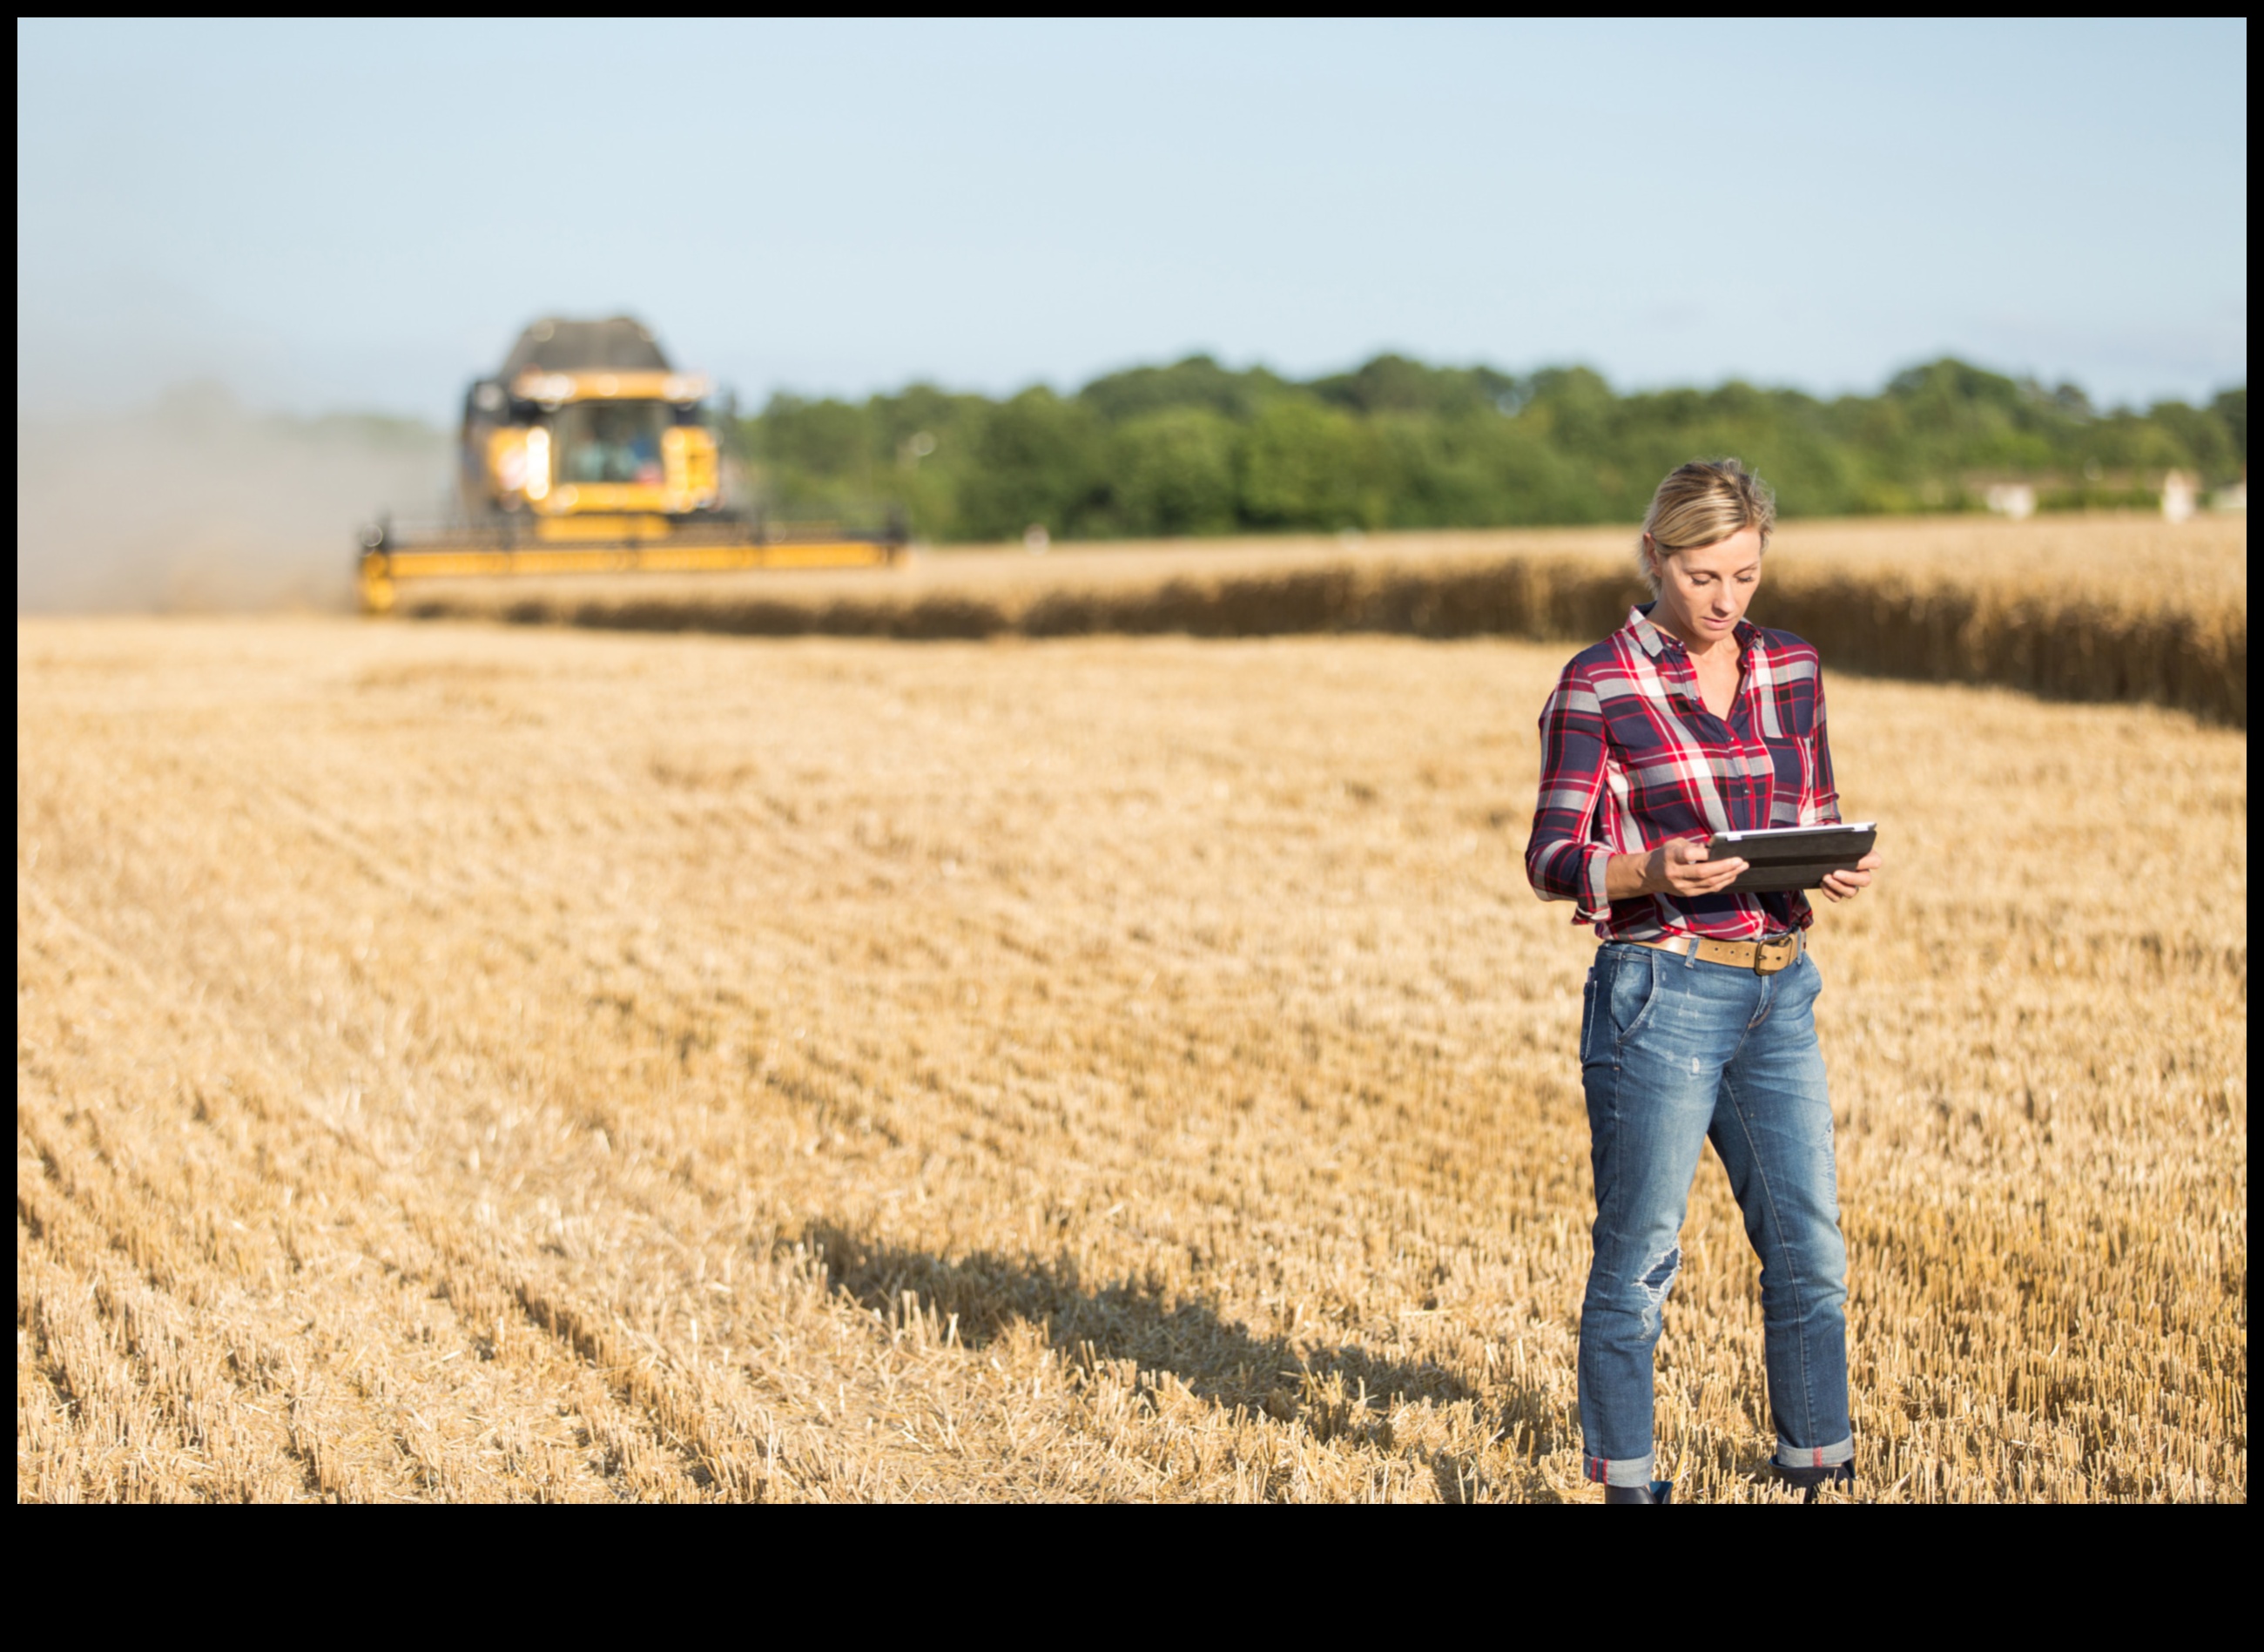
{"type": "Point", "coordinates": [363, 215]}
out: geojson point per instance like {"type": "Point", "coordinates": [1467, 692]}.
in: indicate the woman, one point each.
{"type": "Point", "coordinates": [1698, 1019]}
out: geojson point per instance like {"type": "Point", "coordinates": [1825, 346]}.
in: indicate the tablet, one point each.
{"type": "Point", "coordinates": [1793, 857]}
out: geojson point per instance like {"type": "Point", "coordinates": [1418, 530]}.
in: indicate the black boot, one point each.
{"type": "Point", "coordinates": [1657, 1491]}
{"type": "Point", "coordinates": [1813, 1481]}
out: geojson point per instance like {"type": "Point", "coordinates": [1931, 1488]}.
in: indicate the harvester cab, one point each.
{"type": "Point", "coordinates": [589, 453]}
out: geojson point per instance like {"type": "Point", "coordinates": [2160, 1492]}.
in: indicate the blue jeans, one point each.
{"type": "Point", "coordinates": [1674, 1052]}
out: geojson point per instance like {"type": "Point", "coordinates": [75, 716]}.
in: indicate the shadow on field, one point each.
{"type": "Point", "coordinates": [1217, 1359]}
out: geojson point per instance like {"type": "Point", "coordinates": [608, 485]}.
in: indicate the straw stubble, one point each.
{"type": "Point", "coordinates": [463, 1064]}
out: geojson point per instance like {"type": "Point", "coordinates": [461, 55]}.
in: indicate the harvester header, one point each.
{"type": "Point", "coordinates": [589, 453]}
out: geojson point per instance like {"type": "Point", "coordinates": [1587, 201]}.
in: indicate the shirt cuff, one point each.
{"type": "Point", "coordinates": [1593, 903]}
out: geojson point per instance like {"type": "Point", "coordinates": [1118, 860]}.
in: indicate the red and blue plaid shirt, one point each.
{"type": "Point", "coordinates": [1630, 758]}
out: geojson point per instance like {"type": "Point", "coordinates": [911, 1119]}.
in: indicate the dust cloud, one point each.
{"type": "Point", "coordinates": [198, 504]}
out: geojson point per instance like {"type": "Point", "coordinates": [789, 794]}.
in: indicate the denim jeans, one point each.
{"type": "Point", "coordinates": [1674, 1052]}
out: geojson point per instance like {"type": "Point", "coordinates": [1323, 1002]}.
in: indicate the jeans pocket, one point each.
{"type": "Point", "coordinates": [1588, 1018]}
{"type": "Point", "coordinates": [1634, 992]}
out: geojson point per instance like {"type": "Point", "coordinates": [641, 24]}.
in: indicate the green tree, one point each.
{"type": "Point", "coordinates": [1197, 447]}
{"type": "Point", "coordinates": [1036, 459]}
{"type": "Point", "coordinates": [1307, 465]}
{"type": "Point", "coordinates": [1197, 381]}
{"type": "Point", "coordinates": [1172, 472]}
{"type": "Point", "coordinates": [1395, 384]}
{"type": "Point", "coordinates": [2231, 409]}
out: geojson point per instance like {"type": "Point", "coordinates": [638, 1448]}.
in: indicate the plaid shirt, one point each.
{"type": "Point", "coordinates": [1630, 758]}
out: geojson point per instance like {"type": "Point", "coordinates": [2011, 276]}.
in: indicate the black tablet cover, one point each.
{"type": "Point", "coordinates": [1793, 857]}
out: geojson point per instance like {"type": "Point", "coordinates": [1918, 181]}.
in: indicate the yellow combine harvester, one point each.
{"type": "Point", "coordinates": [589, 454]}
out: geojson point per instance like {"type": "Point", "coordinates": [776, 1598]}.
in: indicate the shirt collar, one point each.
{"type": "Point", "coordinates": [1655, 643]}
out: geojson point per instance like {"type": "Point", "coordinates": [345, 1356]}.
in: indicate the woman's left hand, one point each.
{"type": "Point", "coordinates": [1841, 885]}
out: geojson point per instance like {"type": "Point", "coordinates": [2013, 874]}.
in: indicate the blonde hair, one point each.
{"type": "Point", "coordinates": [1702, 503]}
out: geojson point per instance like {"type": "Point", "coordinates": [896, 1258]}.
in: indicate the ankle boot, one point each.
{"type": "Point", "coordinates": [1813, 1481]}
{"type": "Point", "coordinates": [1657, 1491]}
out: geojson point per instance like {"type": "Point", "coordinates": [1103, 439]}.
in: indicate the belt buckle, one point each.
{"type": "Point", "coordinates": [1784, 948]}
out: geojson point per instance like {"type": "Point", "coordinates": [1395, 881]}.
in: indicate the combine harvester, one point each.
{"type": "Point", "coordinates": [589, 454]}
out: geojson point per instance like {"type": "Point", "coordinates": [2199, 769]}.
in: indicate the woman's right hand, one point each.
{"type": "Point", "coordinates": [1678, 869]}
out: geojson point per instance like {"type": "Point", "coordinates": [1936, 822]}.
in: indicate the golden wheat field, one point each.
{"type": "Point", "coordinates": [463, 1062]}
{"type": "Point", "coordinates": [2107, 608]}
{"type": "Point", "coordinates": [2110, 556]}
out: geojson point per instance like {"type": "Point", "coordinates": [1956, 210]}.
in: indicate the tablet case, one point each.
{"type": "Point", "coordinates": [1794, 859]}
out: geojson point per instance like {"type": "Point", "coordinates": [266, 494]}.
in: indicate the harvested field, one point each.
{"type": "Point", "coordinates": [2101, 607]}
{"type": "Point", "coordinates": [461, 1062]}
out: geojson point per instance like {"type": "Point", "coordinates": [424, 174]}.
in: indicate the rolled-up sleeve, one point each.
{"type": "Point", "coordinates": [1563, 861]}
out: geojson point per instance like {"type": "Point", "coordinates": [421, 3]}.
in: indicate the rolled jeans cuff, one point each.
{"type": "Point", "coordinates": [1620, 1471]}
{"type": "Point", "coordinates": [1798, 1457]}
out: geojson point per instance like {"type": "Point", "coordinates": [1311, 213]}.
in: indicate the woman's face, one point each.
{"type": "Point", "coordinates": [1704, 590]}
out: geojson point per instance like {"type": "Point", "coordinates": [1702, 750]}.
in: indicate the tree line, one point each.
{"type": "Point", "coordinates": [1196, 447]}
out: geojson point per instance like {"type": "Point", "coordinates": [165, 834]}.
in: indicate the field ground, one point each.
{"type": "Point", "coordinates": [462, 1063]}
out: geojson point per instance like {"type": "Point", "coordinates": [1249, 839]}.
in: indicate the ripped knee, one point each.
{"type": "Point", "coordinates": [1657, 1279]}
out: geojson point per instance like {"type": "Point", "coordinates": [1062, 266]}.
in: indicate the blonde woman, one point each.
{"type": "Point", "coordinates": [1698, 1020]}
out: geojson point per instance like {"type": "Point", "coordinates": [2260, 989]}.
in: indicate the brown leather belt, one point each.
{"type": "Point", "coordinates": [1762, 957]}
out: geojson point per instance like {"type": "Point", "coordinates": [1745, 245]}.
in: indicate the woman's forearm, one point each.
{"type": "Point", "coordinates": [1628, 876]}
